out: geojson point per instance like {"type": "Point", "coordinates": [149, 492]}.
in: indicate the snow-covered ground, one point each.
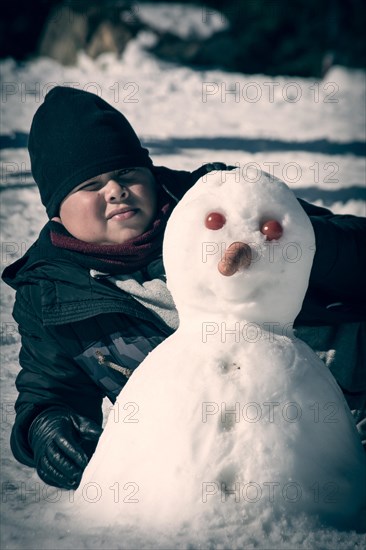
{"type": "Point", "coordinates": [309, 133]}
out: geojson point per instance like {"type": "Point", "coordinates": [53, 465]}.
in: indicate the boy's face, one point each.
{"type": "Point", "coordinates": [112, 207]}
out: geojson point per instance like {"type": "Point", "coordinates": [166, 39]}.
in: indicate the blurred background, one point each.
{"type": "Point", "coordinates": [296, 38]}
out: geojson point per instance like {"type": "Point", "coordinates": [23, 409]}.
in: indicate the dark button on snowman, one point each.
{"type": "Point", "coordinates": [231, 417]}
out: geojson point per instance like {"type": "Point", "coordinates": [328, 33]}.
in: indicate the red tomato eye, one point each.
{"type": "Point", "coordinates": [215, 220]}
{"type": "Point", "coordinates": [272, 230]}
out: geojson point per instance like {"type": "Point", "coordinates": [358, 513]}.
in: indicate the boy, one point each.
{"type": "Point", "coordinates": [91, 296]}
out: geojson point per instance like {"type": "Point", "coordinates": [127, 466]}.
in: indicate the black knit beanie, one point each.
{"type": "Point", "coordinates": [75, 135]}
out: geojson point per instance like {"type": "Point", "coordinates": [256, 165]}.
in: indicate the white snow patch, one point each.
{"type": "Point", "coordinates": [187, 21]}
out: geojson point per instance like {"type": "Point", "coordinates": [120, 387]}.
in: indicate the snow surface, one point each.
{"type": "Point", "coordinates": [309, 134]}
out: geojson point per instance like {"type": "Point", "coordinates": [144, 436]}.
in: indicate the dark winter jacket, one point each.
{"type": "Point", "coordinates": [82, 337]}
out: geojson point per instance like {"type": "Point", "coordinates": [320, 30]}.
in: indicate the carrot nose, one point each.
{"type": "Point", "coordinates": [237, 256]}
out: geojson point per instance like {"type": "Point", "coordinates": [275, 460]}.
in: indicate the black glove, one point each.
{"type": "Point", "coordinates": [62, 442]}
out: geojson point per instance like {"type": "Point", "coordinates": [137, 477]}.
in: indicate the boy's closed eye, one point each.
{"type": "Point", "coordinates": [121, 176]}
{"type": "Point", "coordinates": [91, 186]}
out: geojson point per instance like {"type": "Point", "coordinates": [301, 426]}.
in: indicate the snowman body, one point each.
{"type": "Point", "coordinates": [231, 416]}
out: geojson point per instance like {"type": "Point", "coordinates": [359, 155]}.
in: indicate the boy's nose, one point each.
{"type": "Point", "coordinates": [115, 191]}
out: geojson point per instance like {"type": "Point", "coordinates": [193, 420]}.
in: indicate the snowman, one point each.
{"type": "Point", "coordinates": [232, 417]}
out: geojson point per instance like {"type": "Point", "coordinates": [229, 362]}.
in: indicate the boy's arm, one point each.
{"type": "Point", "coordinates": [48, 378]}
{"type": "Point", "coordinates": [340, 258]}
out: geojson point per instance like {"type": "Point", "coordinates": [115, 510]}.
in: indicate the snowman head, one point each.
{"type": "Point", "coordinates": [240, 247]}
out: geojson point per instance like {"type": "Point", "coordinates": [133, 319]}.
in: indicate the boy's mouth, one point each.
{"type": "Point", "coordinates": [123, 213]}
